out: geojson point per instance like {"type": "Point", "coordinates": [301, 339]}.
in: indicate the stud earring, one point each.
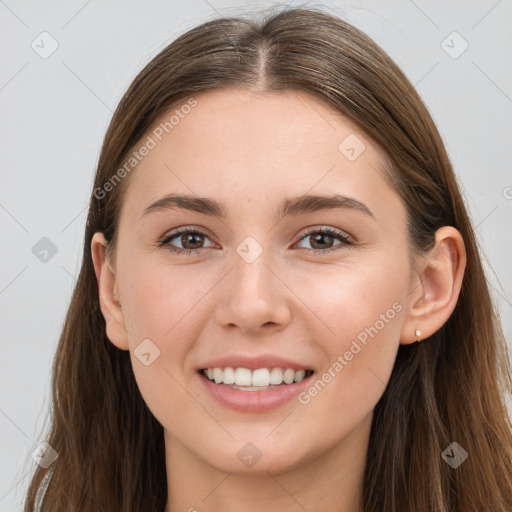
{"type": "Point", "coordinates": [417, 333]}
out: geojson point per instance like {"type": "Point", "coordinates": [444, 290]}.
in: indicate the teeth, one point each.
{"type": "Point", "coordinates": [218, 375]}
{"type": "Point", "coordinates": [244, 378]}
{"type": "Point", "coordinates": [228, 376]}
{"type": "Point", "coordinates": [261, 377]}
{"type": "Point", "coordinates": [288, 376]}
{"type": "Point", "coordinates": [299, 375]}
{"type": "Point", "coordinates": [276, 376]}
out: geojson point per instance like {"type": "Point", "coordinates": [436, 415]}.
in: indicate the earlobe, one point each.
{"type": "Point", "coordinates": [436, 287]}
{"type": "Point", "coordinates": [108, 293]}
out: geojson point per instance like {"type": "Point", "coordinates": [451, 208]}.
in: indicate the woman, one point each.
{"type": "Point", "coordinates": [216, 355]}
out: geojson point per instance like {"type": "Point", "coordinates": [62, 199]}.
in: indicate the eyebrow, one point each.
{"type": "Point", "coordinates": [290, 207]}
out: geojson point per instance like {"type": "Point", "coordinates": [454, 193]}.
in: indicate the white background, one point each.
{"type": "Point", "coordinates": [54, 113]}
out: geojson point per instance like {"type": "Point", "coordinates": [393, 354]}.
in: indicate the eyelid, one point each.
{"type": "Point", "coordinates": [183, 230]}
{"type": "Point", "coordinates": [347, 239]}
{"type": "Point", "coordinates": [334, 231]}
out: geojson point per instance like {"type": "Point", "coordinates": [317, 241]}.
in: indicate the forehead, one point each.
{"type": "Point", "coordinates": [240, 147]}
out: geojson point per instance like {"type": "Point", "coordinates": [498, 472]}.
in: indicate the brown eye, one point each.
{"type": "Point", "coordinates": [191, 241]}
{"type": "Point", "coordinates": [322, 240]}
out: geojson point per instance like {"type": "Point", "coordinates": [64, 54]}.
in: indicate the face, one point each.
{"type": "Point", "coordinates": [323, 288]}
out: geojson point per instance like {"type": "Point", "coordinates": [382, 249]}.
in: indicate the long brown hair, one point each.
{"type": "Point", "coordinates": [449, 388]}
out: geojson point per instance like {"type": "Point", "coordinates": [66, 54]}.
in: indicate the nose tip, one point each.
{"type": "Point", "coordinates": [252, 298]}
{"type": "Point", "coordinates": [251, 316]}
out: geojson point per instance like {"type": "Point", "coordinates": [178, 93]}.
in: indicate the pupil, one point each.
{"type": "Point", "coordinates": [320, 235]}
{"type": "Point", "coordinates": [190, 236]}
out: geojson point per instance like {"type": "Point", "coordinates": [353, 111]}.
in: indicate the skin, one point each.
{"type": "Point", "coordinates": [249, 152]}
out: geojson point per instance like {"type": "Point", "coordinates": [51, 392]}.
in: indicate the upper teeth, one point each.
{"type": "Point", "coordinates": [260, 377]}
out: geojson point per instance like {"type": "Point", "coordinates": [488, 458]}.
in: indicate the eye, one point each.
{"type": "Point", "coordinates": [189, 238]}
{"type": "Point", "coordinates": [192, 240]}
{"type": "Point", "coordinates": [325, 236]}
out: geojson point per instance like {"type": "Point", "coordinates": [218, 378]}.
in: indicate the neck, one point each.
{"type": "Point", "coordinates": [331, 481]}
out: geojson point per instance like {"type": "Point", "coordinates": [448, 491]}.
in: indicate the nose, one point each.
{"type": "Point", "coordinates": [253, 296]}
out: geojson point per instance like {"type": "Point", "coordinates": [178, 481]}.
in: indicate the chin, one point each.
{"type": "Point", "coordinates": [256, 459]}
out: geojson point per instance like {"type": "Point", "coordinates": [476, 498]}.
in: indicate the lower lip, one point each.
{"type": "Point", "coordinates": [253, 401]}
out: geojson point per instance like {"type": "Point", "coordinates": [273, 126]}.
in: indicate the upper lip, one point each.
{"type": "Point", "coordinates": [254, 362]}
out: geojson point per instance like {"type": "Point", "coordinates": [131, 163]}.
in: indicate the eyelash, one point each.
{"type": "Point", "coordinates": [345, 239]}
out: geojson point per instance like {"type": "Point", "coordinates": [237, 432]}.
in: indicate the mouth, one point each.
{"type": "Point", "coordinates": [260, 379]}
{"type": "Point", "coordinates": [253, 383]}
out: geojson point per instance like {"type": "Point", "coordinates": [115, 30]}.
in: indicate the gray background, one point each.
{"type": "Point", "coordinates": [55, 111]}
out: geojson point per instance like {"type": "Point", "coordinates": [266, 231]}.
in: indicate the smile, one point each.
{"type": "Point", "coordinates": [255, 380]}
{"type": "Point", "coordinates": [257, 390]}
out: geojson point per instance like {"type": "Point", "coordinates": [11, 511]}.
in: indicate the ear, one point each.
{"type": "Point", "coordinates": [435, 287]}
{"type": "Point", "coordinates": [107, 289]}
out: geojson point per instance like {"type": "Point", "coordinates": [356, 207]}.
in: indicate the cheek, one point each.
{"type": "Point", "coordinates": [160, 300]}
{"type": "Point", "coordinates": [159, 313]}
{"type": "Point", "coordinates": [356, 301]}
{"type": "Point", "coordinates": [361, 312]}
{"type": "Point", "coordinates": [159, 304]}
